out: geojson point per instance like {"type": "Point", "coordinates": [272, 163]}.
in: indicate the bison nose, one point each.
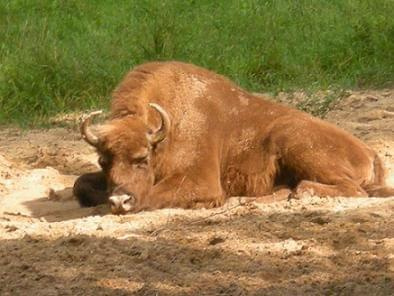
{"type": "Point", "coordinates": [121, 204]}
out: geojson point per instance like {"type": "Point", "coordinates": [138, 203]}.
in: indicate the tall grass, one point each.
{"type": "Point", "coordinates": [64, 55]}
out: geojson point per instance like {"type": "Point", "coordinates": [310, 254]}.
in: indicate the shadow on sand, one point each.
{"type": "Point", "coordinates": [63, 208]}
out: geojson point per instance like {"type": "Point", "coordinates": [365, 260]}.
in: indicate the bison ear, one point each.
{"type": "Point", "coordinates": [159, 135]}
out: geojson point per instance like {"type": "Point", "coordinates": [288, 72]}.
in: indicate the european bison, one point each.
{"type": "Point", "coordinates": [182, 136]}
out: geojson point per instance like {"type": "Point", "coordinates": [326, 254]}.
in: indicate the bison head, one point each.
{"type": "Point", "coordinates": [125, 147]}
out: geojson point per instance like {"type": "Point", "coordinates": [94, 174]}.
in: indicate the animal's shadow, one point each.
{"type": "Point", "coordinates": [61, 205]}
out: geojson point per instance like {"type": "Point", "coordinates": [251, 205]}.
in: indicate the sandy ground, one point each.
{"type": "Point", "coordinates": [313, 246]}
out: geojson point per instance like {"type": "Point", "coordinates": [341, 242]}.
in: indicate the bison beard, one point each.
{"type": "Point", "coordinates": [91, 189]}
{"type": "Point", "coordinates": [182, 136]}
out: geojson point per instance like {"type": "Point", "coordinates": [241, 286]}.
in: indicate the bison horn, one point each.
{"type": "Point", "coordinates": [86, 133]}
{"type": "Point", "coordinates": [162, 132]}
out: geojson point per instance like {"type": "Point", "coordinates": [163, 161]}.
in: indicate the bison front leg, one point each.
{"type": "Point", "coordinates": [342, 188]}
{"type": "Point", "coordinates": [279, 194]}
{"type": "Point", "coordinates": [184, 192]}
{"type": "Point", "coordinates": [173, 192]}
{"type": "Point", "coordinates": [91, 189]}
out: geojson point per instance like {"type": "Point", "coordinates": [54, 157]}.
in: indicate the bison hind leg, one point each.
{"type": "Point", "coordinates": [91, 189]}
{"type": "Point", "coordinates": [342, 188]}
{"type": "Point", "coordinates": [379, 191]}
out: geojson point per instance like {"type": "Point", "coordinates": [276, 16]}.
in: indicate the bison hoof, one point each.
{"type": "Point", "coordinates": [301, 193]}
{"type": "Point", "coordinates": [121, 204]}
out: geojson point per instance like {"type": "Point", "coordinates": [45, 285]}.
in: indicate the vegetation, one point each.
{"type": "Point", "coordinates": [65, 55]}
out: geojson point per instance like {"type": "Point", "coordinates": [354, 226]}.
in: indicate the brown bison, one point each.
{"type": "Point", "coordinates": [182, 136]}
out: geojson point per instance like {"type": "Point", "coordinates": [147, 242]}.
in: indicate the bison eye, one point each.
{"type": "Point", "coordinates": [103, 162]}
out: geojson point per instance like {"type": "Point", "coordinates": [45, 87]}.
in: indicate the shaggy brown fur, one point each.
{"type": "Point", "coordinates": [223, 142]}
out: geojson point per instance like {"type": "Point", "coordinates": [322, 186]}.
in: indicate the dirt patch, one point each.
{"type": "Point", "coordinates": [313, 246]}
{"type": "Point", "coordinates": [59, 148]}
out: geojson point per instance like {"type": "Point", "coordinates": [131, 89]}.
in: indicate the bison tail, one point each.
{"type": "Point", "coordinates": [377, 188]}
{"type": "Point", "coordinates": [379, 172]}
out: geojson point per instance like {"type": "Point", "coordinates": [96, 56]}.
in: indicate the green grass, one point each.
{"type": "Point", "coordinates": [65, 55]}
